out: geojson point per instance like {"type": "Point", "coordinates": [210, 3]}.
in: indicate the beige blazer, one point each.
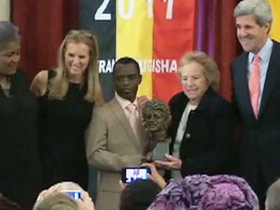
{"type": "Point", "coordinates": [112, 145]}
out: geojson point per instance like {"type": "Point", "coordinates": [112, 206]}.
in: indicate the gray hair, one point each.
{"type": "Point", "coordinates": [259, 9]}
{"type": "Point", "coordinates": [68, 185]}
{"type": "Point", "coordinates": [8, 33]}
{"type": "Point", "coordinates": [212, 72]}
{"type": "Point", "coordinates": [59, 187]}
{"type": "Point", "coordinates": [57, 201]}
{"type": "Point", "coordinates": [272, 201]}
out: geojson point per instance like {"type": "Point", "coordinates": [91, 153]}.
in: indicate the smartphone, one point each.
{"type": "Point", "coordinates": [76, 195]}
{"type": "Point", "coordinates": [131, 174]}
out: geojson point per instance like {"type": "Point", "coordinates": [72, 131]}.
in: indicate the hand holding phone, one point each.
{"type": "Point", "coordinates": [86, 202]}
{"type": "Point", "coordinates": [155, 175]}
{"type": "Point", "coordinates": [131, 174]}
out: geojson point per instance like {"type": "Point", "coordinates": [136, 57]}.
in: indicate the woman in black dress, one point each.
{"type": "Point", "coordinates": [202, 121]}
{"type": "Point", "coordinates": [66, 97]}
{"type": "Point", "coordinates": [19, 159]}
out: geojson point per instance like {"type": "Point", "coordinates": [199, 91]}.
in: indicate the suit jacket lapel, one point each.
{"type": "Point", "coordinates": [123, 121]}
{"type": "Point", "coordinates": [179, 112]}
{"type": "Point", "coordinates": [271, 75]}
{"type": "Point", "coordinates": [243, 85]}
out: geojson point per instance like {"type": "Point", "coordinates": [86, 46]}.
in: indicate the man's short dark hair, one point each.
{"type": "Point", "coordinates": [126, 60]}
{"type": "Point", "coordinates": [139, 195]}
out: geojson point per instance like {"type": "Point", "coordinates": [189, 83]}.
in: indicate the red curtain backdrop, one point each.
{"type": "Point", "coordinates": [43, 25]}
{"type": "Point", "coordinates": [216, 35]}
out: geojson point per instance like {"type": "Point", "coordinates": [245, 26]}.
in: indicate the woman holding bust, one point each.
{"type": "Point", "coordinates": [201, 126]}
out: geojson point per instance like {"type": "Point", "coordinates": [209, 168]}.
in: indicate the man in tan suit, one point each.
{"type": "Point", "coordinates": [114, 140]}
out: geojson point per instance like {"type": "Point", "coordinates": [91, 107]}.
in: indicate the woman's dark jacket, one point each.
{"type": "Point", "coordinates": [206, 143]}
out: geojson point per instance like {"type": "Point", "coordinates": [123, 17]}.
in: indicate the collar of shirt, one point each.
{"type": "Point", "coordinates": [124, 102]}
{"type": "Point", "coordinates": [264, 53]}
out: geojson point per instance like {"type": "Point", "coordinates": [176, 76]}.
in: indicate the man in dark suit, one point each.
{"type": "Point", "coordinates": [256, 76]}
{"type": "Point", "coordinates": [114, 142]}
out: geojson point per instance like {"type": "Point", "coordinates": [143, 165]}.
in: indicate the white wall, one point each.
{"type": "Point", "coordinates": [5, 9]}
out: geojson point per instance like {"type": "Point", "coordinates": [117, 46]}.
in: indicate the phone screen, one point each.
{"type": "Point", "coordinates": [132, 174]}
{"type": "Point", "coordinates": [76, 195]}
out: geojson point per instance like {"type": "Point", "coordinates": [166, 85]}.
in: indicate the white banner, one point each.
{"type": "Point", "coordinates": [5, 9]}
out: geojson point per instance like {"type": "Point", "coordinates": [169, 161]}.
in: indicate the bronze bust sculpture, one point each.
{"type": "Point", "coordinates": [156, 121]}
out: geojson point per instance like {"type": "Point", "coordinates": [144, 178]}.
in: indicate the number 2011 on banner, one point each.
{"type": "Point", "coordinates": [101, 15]}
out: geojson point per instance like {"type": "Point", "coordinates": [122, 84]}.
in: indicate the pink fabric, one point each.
{"type": "Point", "coordinates": [255, 85]}
{"type": "Point", "coordinates": [134, 119]}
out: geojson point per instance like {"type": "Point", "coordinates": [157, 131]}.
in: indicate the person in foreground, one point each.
{"type": "Point", "coordinates": [202, 123]}
{"type": "Point", "coordinates": [202, 192]}
{"type": "Point", "coordinates": [272, 201]}
{"type": "Point", "coordinates": [20, 169]}
{"type": "Point", "coordinates": [116, 137]}
{"type": "Point", "coordinates": [57, 201]}
{"type": "Point", "coordinates": [56, 198]}
{"type": "Point", "coordinates": [256, 76]}
{"type": "Point", "coordinates": [141, 193]}
{"type": "Point", "coordinates": [67, 96]}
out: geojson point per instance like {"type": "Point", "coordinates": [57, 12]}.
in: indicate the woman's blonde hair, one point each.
{"type": "Point", "coordinates": [60, 187]}
{"type": "Point", "coordinates": [59, 84]}
{"type": "Point", "coordinates": [211, 69]}
{"type": "Point", "coordinates": [57, 201]}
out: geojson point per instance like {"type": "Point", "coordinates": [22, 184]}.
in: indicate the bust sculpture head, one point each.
{"type": "Point", "coordinates": [156, 120]}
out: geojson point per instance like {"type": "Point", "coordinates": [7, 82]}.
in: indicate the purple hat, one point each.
{"type": "Point", "coordinates": [202, 192]}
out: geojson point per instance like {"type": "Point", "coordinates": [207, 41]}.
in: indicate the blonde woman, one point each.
{"type": "Point", "coordinates": [66, 97]}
